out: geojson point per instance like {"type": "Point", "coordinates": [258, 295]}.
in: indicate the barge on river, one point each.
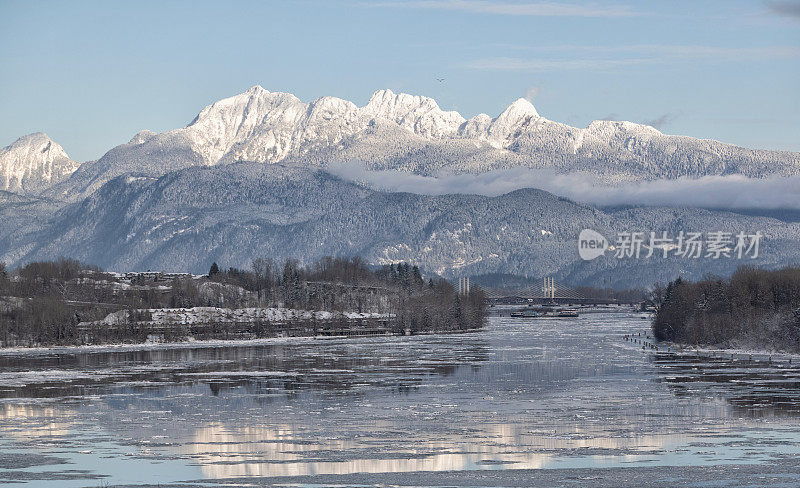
{"type": "Point", "coordinates": [544, 312]}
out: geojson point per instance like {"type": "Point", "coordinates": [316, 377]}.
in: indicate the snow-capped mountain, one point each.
{"type": "Point", "coordinates": [233, 213]}
{"type": "Point", "coordinates": [249, 177]}
{"type": "Point", "coordinates": [32, 163]}
{"type": "Point", "coordinates": [269, 127]}
{"type": "Point", "coordinates": [411, 133]}
{"type": "Point", "coordinates": [263, 126]}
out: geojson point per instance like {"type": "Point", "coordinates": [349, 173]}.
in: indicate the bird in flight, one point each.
{"type": "Point", "coordinates": [440, 80]}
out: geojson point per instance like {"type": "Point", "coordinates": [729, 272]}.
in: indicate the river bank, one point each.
{"type": "Point", "coordinates": [192, 343]}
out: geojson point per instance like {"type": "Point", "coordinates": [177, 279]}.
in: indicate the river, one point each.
{"type": "Point", "coordinates": [525, 402]}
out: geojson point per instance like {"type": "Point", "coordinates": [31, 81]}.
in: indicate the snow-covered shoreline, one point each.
{"type": "Point", "coordinates": [220, 315]}
{"type": "Point", "coordinates": [148, 346]}
{"type": "Point", "coordinates": [153, 346]}
{"type": "Point", "coordinates": [192, 343]}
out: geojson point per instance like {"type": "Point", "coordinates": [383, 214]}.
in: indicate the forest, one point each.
{"type": "Point", "coordinates": [754, 308]}
{"type": "Point", "coordinates": [50, 303]}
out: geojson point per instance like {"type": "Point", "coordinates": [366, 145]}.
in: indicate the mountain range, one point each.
{"type": "Point", "coordinates": [248, 177]}
{"type": "Point", "coordinates": [392, 131]}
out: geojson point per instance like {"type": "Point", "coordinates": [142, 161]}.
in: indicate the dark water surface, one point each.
{"type": "Point", "coordinates": [525, 402]}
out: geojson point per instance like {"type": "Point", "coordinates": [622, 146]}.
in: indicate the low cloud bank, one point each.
{"type": "Point", "coordinates": [734, 191]}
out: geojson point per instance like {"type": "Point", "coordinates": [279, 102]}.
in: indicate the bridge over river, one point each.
{"type": "Point", "coordinates": [550, 292]}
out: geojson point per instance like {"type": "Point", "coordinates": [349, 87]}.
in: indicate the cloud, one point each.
{"type": "Point", "coordinates": [727, 192]}
{"type": "Point", "coordinates": [660, 122]}
{"type": "Point", "coordinates": [785, 9]}
{"type": "Point", "coordinates": [605, 58]}
{"type": "Point", "coordinates": [537, 9]}
{"type": "Point", "coordinates": [531, 93]}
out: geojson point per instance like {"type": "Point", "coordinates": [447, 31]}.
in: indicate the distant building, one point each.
{"type": "Point", "coordinates": [155, 276]}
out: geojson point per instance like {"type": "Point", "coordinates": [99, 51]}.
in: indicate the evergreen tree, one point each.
{"type": "Point", "coordinates": [291, 283]}
{"type": "Point", "coordinates": [214, 270]}
{"type": "Point", "coordinates": [402, 274]}
{"type": "Point", "coordinates": [417, 276]}
{"type": "Point", "coordinates": [5, 283]}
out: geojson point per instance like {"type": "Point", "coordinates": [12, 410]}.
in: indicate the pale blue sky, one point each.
{"type": "Point", "coordinates": [92, 74]}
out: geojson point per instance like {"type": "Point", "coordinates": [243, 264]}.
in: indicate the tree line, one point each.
{"type": "Point", "coordinates": [43, 302]}
{"type": "Point", "coordinates": [755, 308]}
{"type": "Point", "coordinates": [349, 284]}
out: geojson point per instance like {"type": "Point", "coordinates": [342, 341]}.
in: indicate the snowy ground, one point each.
{"type": "Point", "coordinates": [205, 315]}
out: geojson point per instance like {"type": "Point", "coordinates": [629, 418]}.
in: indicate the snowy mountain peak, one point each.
{"type": "Point", "coordinates": [517, 113]}
{"type": "Point", "coordinates": [333, 105]}
{"type": "Point", "coordinates": [387, 104]}
{"type": "Point", "coordinates": [142, 137]}
{"type": "Point", "coordinates": [256, 90]}
{"type": "Point", "coordinates": [39, 140]}
{"type": "Point", "coordinates": [476, 127]}
{"type": "Point", "coordinates": [515, 118]}
{"type": "Point", "coordinates": [521, 107]}
{"type": "Point", "coordinates": [259, 125]}
{"type": "Point", "coordinates": [417, 114]}
{"type": "Point", "coordinates": [252, 102]}
{"type": "Point", "coordinates": [33, 162]}
{"type": "Point", "coordinates": [620, 125]}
